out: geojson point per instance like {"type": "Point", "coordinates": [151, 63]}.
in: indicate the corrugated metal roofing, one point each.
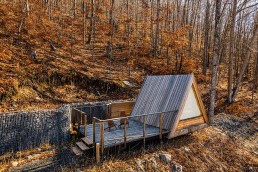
{"type": "Point", "coordinates": [162, 94]}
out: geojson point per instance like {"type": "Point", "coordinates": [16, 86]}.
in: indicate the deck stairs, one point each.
{"type": "Point", "coordinates": [82, 146]}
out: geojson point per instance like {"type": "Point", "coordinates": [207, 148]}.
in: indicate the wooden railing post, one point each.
{"type": "Point", "coordinates": [125, 132]}
{"type": "Point", "coordinates": [85, 125]}
{"type": "Point", "coordinates": [160, 126]}
{"type": "Point", "coordinates": [97, 153]}
{"type": "Point", "coordinates": [94, 131]}
{"type": "Point", "coordinates": [79, 120]}
{"type": "Point", "coordinates": [81, 117]}
{"type": "Point", "coordinates": [73, 118]}
{"type": "Point", "coordinates": [102, 138]}
{"type": "Point", "coordinates": [144, 131]}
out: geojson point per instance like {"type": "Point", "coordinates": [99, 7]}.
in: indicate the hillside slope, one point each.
{"type": "Point", "coordinates": [53, 77]}
{"type": "Point", "coordinates": [43, 63]}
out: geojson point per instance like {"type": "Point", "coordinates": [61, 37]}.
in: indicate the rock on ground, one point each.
{"type": "Point", "coordinates": [175, 167]}
{"type": "Point", "coordinates": [165, 157]}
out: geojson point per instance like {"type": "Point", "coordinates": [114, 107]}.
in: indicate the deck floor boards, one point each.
{"type": "Point", "coordinates": [116, 136]}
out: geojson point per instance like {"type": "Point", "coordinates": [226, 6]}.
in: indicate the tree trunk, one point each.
{"type": "Point", "coordinates": [27, 7]}
{"type": "Point", "coordinates": [128, 29]}
{"type": "Point", "coordinates": [215, 59]}
{"type": "Point", "coordinates": [50, 9]}
{"type": "Point", "coordinates": [231, 51]}
{"type": "Point", "coordinates": [157, 30]}
{"type": "Point", "coordinates": [152, 28]}
{"type": "Point", "coordinates": [206, 39]}
{"type": "Point", "coordinates": [74, 8]}
{"type": "Point", "coordinates": [91, 22]}
{"type": "Point", "coordinates": [84, 7]}
{"type": "Point", "coordinates": [110, 42]}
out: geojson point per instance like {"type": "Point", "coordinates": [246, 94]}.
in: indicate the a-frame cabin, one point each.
{"type": "Point", "coordinates": [177, 98]}
{"type": "Point", "coordinates": [167, 105]}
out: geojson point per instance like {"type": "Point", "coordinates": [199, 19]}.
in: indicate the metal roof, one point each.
{"type": "Point", "coordinates": [163, 94]}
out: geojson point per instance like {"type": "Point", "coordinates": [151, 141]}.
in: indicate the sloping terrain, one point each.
{"type": "Point", "coordinates": [52, 77]}
{"type": "Point", "coordinates": [43, 63]}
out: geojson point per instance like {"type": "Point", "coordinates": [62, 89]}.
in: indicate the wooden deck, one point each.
{"type": "Point", "coordinates": [116, 136]}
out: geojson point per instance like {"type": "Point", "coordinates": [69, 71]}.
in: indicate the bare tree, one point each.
{"type": "Point", "coordinates": [157, 29]}
{"type": "Point", "coordinates": [215, 58]}
{"type": "Point", "coordinates": [206, 38]}
{"type": "Point", "coordinates": [231, 51]}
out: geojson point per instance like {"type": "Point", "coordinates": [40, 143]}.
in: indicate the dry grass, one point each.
{"type": "Point", "coordinates": [208, 150]}
{"type": "Point", "coordinates": [25, 157]}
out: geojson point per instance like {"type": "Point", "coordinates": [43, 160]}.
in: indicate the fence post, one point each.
{"type": "Point", "coordinates": [78, 120]}
{"type": "Point", "coordinates": [85, 125]}
{"type": "Point", "coordinates": [125, 132]}
{"type": "Point", "coordinates": [94, 131]}
{"type": "Point", "coordinates": [73, 118]}
{"type": "Point", "coordinates": [97, 153]}
{"type": "Point", "coordinates": [102, 138]}
{"type": "Point", "coordinates": [160, 126]}
{"type": "Point", "coordinates": [144, 131]}
{"type": "Point", "coordinates": [81, 122]}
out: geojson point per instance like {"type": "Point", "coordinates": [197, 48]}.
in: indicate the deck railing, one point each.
{"type": "Point", "coordinates": [90, 114]}
{"type": "Point", "coordinates": [102, 122]}
{"type": "Point", "coordinates": [80, 119]}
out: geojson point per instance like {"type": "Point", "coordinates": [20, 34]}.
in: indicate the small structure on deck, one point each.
{"type": "Point", "coordinates": [168, 105]}
{"type": "Point", "coordinates": [178, 98]}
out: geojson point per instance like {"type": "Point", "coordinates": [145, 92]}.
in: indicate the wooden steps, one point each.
{"type": "Point", "coordinates": [77, 151]}
{"type": "Point", "coordinates": [82, 146]}
{"type": "Point", "coordinates": [87, 141]}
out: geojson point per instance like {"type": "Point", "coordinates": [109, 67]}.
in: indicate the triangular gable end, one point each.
{"type": "Point", "coordinates": [191, 107]}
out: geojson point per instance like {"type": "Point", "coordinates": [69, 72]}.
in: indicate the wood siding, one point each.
{"type": "Point", "coordinates": [116, 108]}
{"type": "Point", "coordinates": [190, 122]}
{"type": "Point", "coordinates": [189, 129]}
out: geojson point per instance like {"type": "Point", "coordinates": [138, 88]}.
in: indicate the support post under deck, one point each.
{"type": "Point", "coordinates": [125, 133]}
{"type": "Point", "coordinates": [160, 126]}
{"type": "Point", "coordinates": [102, 138]}
{"type": "Point", "coordinates": [85, 125]}
{"type": "Point", "coordinates": [94, 131]}
{"type": "Point", "coordinates": [97, 153]}
{"type": "Point", "coordinates": [144, 131]}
